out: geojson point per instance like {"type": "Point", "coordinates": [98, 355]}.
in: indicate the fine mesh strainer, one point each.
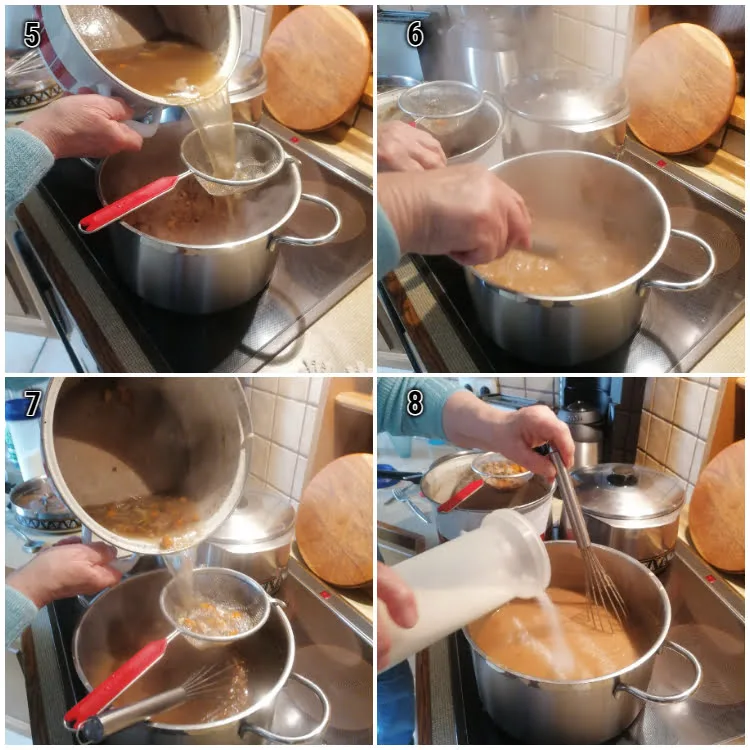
{"type": "Point", "coordinates": [217, 586]}
{"type": "Point", "coordinates": [221, 606]}
{"type": "Point", "coordinates": [258, 157]}
{"type": "Point", "coordinates": [441, 107]}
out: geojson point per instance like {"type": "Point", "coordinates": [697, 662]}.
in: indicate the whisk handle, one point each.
{"type": "Point", "coordinates": [119, 681]}
{"type": "Point", "coordinates": [98, 728]}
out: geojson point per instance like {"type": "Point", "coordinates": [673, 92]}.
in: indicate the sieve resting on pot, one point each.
{"type": "Point", "coordinates": [258, 157]}
{"type": "Point", "coordinates": [441, 107]}
{"type": "Point", "coordinates": [228, 588]}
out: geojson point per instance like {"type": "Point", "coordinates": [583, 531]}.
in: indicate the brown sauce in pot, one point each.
{"type": "Point", "coordinates": [522, 637]}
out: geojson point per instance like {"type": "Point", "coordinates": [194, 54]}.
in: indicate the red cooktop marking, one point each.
{"type": "Point", "coordinates": [661, 164]}
{"type": "Point", "coordinates": [294, 139]}
{"type": "Point", "coordinates": [710, 578]}
{"type": "Point", "coordinates": [325, 595]}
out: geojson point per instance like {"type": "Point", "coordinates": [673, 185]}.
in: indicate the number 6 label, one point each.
{"type": "Point", "coordinates": [414, 403]}
{"type": "Point", "coordinates": [414, 34]}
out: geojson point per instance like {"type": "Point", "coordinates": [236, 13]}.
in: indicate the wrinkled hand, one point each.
{"type": "Point", "coordinates": [67, 569]}
{"type": "Point", "coordinates": [463, 211]}
{"type": "Point", "coordinates": [84, 125]}
{"type": "Point", "coordinates": [399, 600]}
{"type": "Point", "coordinates": [403, 148]}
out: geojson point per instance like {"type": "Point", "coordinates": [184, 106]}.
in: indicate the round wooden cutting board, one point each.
{"type": "Point", "coordinates": [681, 83]}
{"type": "Point", "coordinates": [334, 522]}
{"type": "Point", "coordinates": [318, 63]}
{"type": "Point", "coordinates": [717, 510]}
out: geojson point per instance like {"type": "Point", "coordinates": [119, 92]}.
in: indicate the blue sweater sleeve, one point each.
{"type": "Point", "coordinates": [27, 160]}
{"type": "Point", "coordinates": [393, 399]}
{"type": "Point", "coordinates": [389, 252]}
{"type": "Point", "coordinates": [19, 614]}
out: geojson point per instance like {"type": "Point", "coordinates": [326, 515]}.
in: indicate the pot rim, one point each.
{"type": "Point", "coordinates": [228, 247]}
{"type": "Point", "coordinates": [259, 705]}
{"type": "Point", "coordinates": [161, 101]}
{"type": "Point", "coordinates": [602, 293]}
{"type": "Point", "coordinates": [528, 506]}
{"type": "Point", "coordinates": [650, 654]}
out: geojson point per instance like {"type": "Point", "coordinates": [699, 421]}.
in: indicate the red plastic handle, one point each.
{"type": "Point", "coordinates": [460, 496]}
{"type": "Point", "coordinates": [114, 211]}
{"type": "Point", "coordinates": [121, 679]}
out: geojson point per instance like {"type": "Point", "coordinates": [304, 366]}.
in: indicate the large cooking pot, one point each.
{"type": "Point", "coordinates": [255, 540]}
{"type": "Point", "coordinates": [126, 617]}
{"type": "Point", "coordinates": [633, 509]}
{"type": "Point", "coordinates": [110, 439]}
{"type": "Point", "coordinates": [72, 32]}
{"type": "Point", "coordinates": [449, 474]}
{"type": "Point", "coordinates": [196, 257]}
{"type": "Point", "coordinates": [564, 109]}
{"type": "Point", "coordinates": [588, 191]}
{"type": "Point", "coordinates": [586, 711]}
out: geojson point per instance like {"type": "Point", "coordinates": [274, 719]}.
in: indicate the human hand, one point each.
{"type": "Point", "coordinates": [403, 148]}
{"type": "Point", "coordinates": [469, 422]}
{"type": "Point", "coordinates": [67, 569]}
{"type": "Point", "coordinates": [401, 605]}
{"type": "Point", "coordinates": [462, 211]}
{"type": "Point", "coordinates": [84, 125]}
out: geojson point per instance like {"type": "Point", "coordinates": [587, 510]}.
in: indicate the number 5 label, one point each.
{"type": "Point", "coordinates": [32, 34]}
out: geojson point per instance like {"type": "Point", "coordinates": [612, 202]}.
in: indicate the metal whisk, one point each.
{"type": "Point", "coordinates": [601, 591]}
{"type": "Point", "coordinates": [206, 680]}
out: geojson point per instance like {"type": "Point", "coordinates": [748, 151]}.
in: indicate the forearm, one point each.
{"type": "Point", "coordinates": [19, 614]}
{"type": "Point", "coordinates": [389, 251]}
{"type": "Point", "coordinates": [27, 160]}
{"type": "Point", "coordinates": [393, 399]}
{"type": "Point", "coordinates": [471, 423]}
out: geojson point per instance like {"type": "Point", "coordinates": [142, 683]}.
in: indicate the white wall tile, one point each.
{"type": "Point", "coordinates": [573, 11]}
{"type": "Point", "coordinates": [680, 454]}
{"type": "Point", "coordinates": [316, 390]}
{"type": "Point", "coordinates": [259, 456]}
{"type": "Point", "coordinates": [600, 46]}
{"type": "Point", "coordinates": [643, 430]}
{"type": "Point", "coordinates": [621, 56]}
{"type": "Point", "coordinates": [518, 392]}
{"type": "Point", "coordinates": [689, 407]}
{"type": "Point", "coordinates": [665, 397]}
{"type": "Point", "coordinates": [570, 39]}
{"type": "Point", "coordinates": [540, 384]}
{"type": "Point", "coordinates": [262, 411]}
{"type": "Point", "coordinates": [658, 439]}
{"type": "Point", "coordinates": [299, 478]}
{"type": "Point", "coordinates": [602, 15]}
{"type": "Point", "coordinates": [295, 388]}
{"type": "Point", "coordinates": [697, 467]}
{"type": "Point", "coordinates": [288, 419]}
{"type": "Point", "coordinates": [648, 394]}
{"type": "Point", "coordinates": [716, 382]}
{"type": "Point", "coordinates": [281, 466]}
{"type": "Point", "coordinates": [512, 383]}
{"type": "Point", "coordinates": [624, 22]}
{"type": "Point", "coordinates": [308, 431]}
{"type": "Point", "coordinates": [709, 407]}
{"type": "Point", "coordinates": [266, 384]}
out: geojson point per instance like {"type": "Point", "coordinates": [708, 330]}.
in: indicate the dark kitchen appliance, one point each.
{"type": "Point", "coordinates": [333, 648]}
{"type": "Point", "coordinates": [428, 301]}
{"type": "Point", "coordinates": [124, 333]}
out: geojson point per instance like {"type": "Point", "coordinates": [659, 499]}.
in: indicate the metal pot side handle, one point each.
{"type": "Point", "coordinates": [312, 735]}
{"type": "Point", "coordinates": [309, 241]}
{"type": "Point", "coordinates": [686, 286]}
{"type": "Point", "coordinates": [676, 697]}
{"type": "Point", "coordinates": [119, 563]}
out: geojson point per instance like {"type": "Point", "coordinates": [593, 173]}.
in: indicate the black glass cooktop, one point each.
{"type": "Point", "coordinates": [679, 328]}
{"type": "Point", "coordinates": [307, 282]}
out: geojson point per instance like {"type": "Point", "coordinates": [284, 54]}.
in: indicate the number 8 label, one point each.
{"type": "Point", "coordinates": [414, 403]}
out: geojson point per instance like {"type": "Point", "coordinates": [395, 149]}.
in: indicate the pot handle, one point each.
{"type": "Point", "coordinates": [676, 697]}
{"type": "Point", "coordinates": [685, 286]}
{"type": "Point", "coordinates": [119, 563]}
{"type": "Point", "coordinates": [309, 241]}
{"type": "Point", "coordinates": [266, 734]}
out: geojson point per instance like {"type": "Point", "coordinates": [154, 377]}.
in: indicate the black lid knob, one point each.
{"type": "Point", "coordinates": [623, 476]}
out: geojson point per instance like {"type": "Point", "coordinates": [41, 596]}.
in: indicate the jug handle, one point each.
{"type": "Point", "coordinates": [150, 124]}
{"type": "Point", "coordinates": [266, 734]}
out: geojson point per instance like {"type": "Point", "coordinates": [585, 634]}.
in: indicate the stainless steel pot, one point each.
{"type": "Point", "coordinates": [586, 425]}
{"type": "Point", "coordinates": [564, 109]}
{"type": "Point", "coordinates": [449, 474]}
{"type": "Point", "coordinates": [203, 276]}
{"type": "Point", "coordinates": [633, 509]}
{"type": "Point", "coordinates": [589, 191]}
{"type": "Point", "coordinates": [255, 540]}
{"type": "Point", "coordinates": [123, 619]}
{"type": "Point", "coordinates": [586, 711]}
{"type": "Point", "coordinates": [109, 439]}
{"type": "Point", "coordinates": [36, 506]}
{"type": "Point", "coordinates": [71, 32]}
{"type": "Point", "coordinates": [247, 86]}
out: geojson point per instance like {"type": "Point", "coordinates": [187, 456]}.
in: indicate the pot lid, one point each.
{"type": "Point", "coordinates": [260, 516]}
{"type": "Point", "coordinates": [565, 97]}
{"type": "Point", "coordinates": [248, 79]}
{"type": "Point", "coordinates": [625, 492]}
{"type": "Point", "coordinates": [36, 497]}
